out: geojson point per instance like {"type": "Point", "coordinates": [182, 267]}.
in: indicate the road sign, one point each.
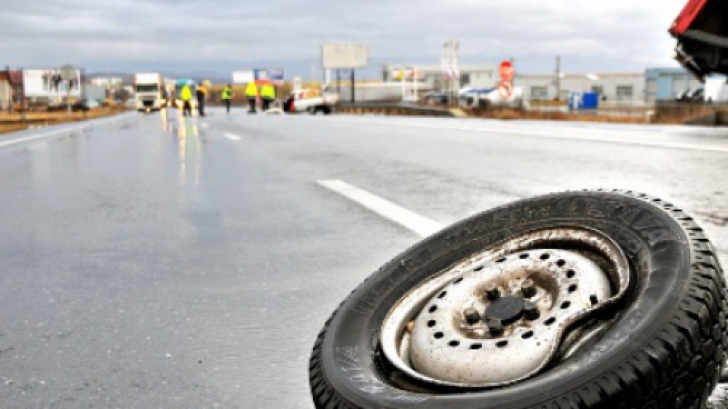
{"type": "Point", "coordinates": [507, 72]}
{"type": "Point", "coordinates": [450, 59]}
{"type": "Point", "coordinates": [505, 89]}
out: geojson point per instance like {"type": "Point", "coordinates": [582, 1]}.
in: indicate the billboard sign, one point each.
{"type": "Point", "coordinates": [243, 77]}
{"type": "Point", "coordinates": [276, 75]}
{"type": "Point", "coordinates": [261, 74]}
{"type": "Point", "coordinates": [50, 83]}
{"type": "Point", "coordinates": [345, 55]}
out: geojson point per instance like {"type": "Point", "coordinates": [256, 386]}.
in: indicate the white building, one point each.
{"type": "Point", "coordinates": [107, 81]}
{"type": "Point", "coordinates": [626, 88]}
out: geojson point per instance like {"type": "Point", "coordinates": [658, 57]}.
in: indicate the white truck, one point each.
{"type": "Point", "coordinates": [150, 92]}
{"type": "Point", "coordinates": [311, 101]}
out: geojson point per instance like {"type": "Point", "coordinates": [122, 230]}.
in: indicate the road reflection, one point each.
{"type": "Point", "coordinates": [40, 154]}
{"type": "Point", "coordinates": [165, 119]}
{"type": "Point", "coordinates": [39, 160]}
{"type": "Point", "coordinates": [188, 151]}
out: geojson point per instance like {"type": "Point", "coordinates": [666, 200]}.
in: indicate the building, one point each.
{"type": "Point", "coordinates": [626, 88]}
{"type": "Point", "coordinates": [666, 83]}
{"type": "Point", "coordinates": [11, 88]}
{"type": "Point", "coordinates": [432, 77]}
{"type": "Point", "coordinates": [615, 88]}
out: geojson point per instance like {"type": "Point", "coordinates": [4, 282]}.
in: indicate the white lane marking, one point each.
{"type": "Point", "coordinates": [542, 134]}
{"type": "Point", "coordinates": [40, 136]}
{"type": "Point", "coordinates": [57, 132]}
{"type": "Point", "coordinates": [383, 207]}
{"type": "Point", "coordinates": [205, 125]}
{"type": "Point", "coordinates": [232, 137]}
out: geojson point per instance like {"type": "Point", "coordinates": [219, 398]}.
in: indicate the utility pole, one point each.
{"type": "Point", "coordinates": [558, 77]}
{"type": "Point", "coordinates": [11, 100]}
{"type": "Point", "coordinates": [338, 81]}
{"type": "Point", "coordinates": [353, 87]}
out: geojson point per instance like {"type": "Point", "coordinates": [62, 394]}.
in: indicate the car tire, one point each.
{"type": "Point", "coordinates": [485, 104]}
{"type": "Point", "coordinates": [664, 346]}
{"type": "Point", "coordinates": [312, 110]}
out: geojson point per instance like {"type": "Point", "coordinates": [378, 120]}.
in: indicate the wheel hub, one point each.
{"type": "Point", "coordinates": [498, 317]}
{"type": "Point", "coordinates": [506, 310]}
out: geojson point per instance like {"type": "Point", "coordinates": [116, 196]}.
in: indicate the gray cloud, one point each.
{"type": "Point", "coordinates": [589, 35]}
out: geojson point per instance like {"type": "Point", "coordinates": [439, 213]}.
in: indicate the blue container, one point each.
{"type": "Point", "coordinates": [589, 100]}
{"type": "Point", "coordinates": [586, 100]}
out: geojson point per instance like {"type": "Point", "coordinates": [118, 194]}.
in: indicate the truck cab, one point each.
{"type": "Point", "coordinates": [150, 92]}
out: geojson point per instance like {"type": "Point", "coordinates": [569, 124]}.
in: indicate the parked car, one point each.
{"type": "Point", "coordinates": [695, 94]}
{"type": "Point", "coordinates": [682, 95]}
{"type": "Point", "coordinates": [491, 97]}
{"type": "Point", "coordinates": [435, 98]}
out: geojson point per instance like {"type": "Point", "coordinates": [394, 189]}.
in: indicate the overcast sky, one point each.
{"type": "Point", "coordinates": [590, 35]}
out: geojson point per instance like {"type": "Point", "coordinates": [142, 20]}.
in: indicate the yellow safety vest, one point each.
{"type": "Point", "coordinates": [186, 93]}
{"type": "Point", "coordinates": [251, 91]}
{"type": "Point", "coordinates": [227, 93]}
{"type": "Point", "coordinates": [268, 91]}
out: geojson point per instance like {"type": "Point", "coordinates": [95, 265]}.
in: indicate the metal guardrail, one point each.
{"type": "Point", "coordinates": [388, 108]}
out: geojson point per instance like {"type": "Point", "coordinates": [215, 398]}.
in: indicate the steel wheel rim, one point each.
{"type": "Point", "coordinates": [403, 343]}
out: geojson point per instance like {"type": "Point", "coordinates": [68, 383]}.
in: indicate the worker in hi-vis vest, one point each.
{"type": "Point", "coordinates": [185, 95]}
{"type": "Point", "coordinates": [251, 93]}
{"type": "Point", "coordinates": [267, 95]}
{"type": "Point", "coordinates": [227, 96]}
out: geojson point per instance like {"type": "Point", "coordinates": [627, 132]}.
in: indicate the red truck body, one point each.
{"type": "Point", "coordinates": [686, 17]}
{"type": "Point", "coordinates": [702, 33]}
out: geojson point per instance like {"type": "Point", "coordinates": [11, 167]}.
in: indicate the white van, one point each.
{"type": "Point", "coordinates": [716, 90]}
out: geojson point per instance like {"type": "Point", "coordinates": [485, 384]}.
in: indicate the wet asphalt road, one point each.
{"type": "Point", "coordinates": [155, 262]}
